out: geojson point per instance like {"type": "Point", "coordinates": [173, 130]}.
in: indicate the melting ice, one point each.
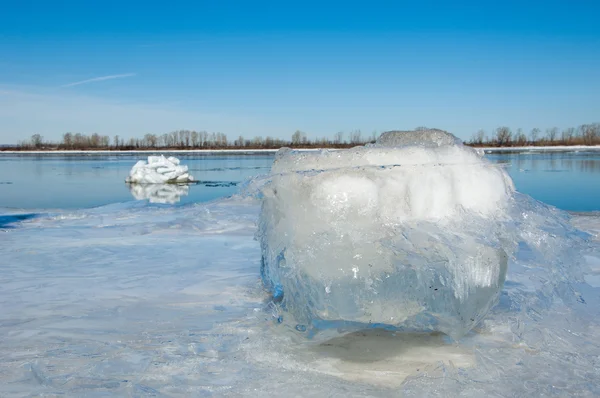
{"type": "Point", "coordinates": [412, 232]}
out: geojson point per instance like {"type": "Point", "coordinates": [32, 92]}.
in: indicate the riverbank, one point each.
{"type": "Point", "coordinates": [144, 151]}
{"type": "Point", "coordinates": [558, 148]}
{"type": "Point", "coordinates": [251, 151]}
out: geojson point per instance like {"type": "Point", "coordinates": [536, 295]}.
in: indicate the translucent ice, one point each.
{"type": "Point", "coordinates": [428, 138]}
{"type": "Point", "coordinates": [408, 233]}
{"type": "Point", "coordinates": [158, 170]}
{"type": "Point", "coordinates": [133, 299]}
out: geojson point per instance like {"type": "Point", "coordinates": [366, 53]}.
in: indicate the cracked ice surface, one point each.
{"type": "Point", "coordinates": [142, 300]}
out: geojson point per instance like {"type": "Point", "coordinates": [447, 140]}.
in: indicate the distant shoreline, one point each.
{"type": "Point", "coordinates": [555, 148]}
{"type": "Point", "coordinates": [148, 151]}
{"type": "Point", "coordinates": [558, 148]}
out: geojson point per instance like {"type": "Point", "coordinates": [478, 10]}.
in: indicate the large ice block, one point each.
{"type": "Point", "coordinates": [405, 233]}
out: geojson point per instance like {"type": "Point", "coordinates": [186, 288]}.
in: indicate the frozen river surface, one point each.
{"type": "Point", "coordinates": [137, 299]}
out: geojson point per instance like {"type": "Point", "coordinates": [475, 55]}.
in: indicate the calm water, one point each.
{"type": "Point", "coordinates": [570, 180]}
{"type": "Point", "coordinates": [567, 180]}
{"type": "Point", "coordinates": [80, 181]}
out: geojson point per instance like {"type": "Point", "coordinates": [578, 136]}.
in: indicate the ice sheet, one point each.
{"type": "Point", "coordinates": [145, 300]}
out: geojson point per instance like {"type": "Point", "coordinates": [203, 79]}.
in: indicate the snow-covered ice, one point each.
{"type": "Point", "coordinates": [158, 170]}
{"type": "Point", "coordinates": [143, 300]}
{"type": "Point", "coordinates": [412, 232]}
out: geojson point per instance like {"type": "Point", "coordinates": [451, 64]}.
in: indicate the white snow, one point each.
{"type": "Point", "coordinates": [158, 170]}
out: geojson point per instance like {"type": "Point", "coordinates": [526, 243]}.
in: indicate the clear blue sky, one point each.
{"type": "Point", "coordinates": [269, 68]}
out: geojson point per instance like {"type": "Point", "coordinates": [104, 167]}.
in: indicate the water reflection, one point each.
{"type": "Point", "coordinates": [551, 162]}
{"type": "Point", "coordinates": [159, 193]}
{"type": "Point", "coordinates": [53, 181]}
{"type": "Point", "coordinates": [7, 221]}
{"type": "Point", "coordinates": [76, 181]}
{"type": "Point", "coordinates": [568, 180]}
{"type": "Point", "coordinates": [589, 166]}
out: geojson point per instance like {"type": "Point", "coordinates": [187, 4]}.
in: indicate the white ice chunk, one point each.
{"type": "Point", "coordinates": [404, 233]}
{"type": "Point", "coordinates": [158, 170]}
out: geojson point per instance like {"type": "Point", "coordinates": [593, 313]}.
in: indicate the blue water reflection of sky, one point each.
{"type": "Point", "coordinates": [94, 180]}
{"type": "Point", "coordinates": [568, 180]}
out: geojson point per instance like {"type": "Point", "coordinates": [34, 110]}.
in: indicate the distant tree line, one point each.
{"type": "Point", "coordinates": [191, 139]}
{"type": "Point", "coordinates": [586, 134]}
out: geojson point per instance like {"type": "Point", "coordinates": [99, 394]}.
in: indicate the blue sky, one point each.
{"type": "Point", "coordinates": [270, 68]}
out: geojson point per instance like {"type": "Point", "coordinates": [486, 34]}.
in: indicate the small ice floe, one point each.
{"type": "Point", "coordinates": [159, 170]}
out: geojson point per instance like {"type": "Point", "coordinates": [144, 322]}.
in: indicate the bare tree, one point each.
{"type": "Point", "coordinates": [194, 138]}
{"type": "Point", "coordinates": [374, 136]}
{"type": "Point", "coordinates": [297, 137]}
{"type": "Point", "coordinates": [68, 140]}
{"type": "Point", "coordinates": [534, 134]}
{"type": "Point", "coordinates": [568, 134]}
{"type": "Point", "coordinates": [355, 137]}
{"type": "Point", "coordinates": [590, 133]}
{"type": "Point", "coordinates": [37, 141]}
{"type": "Point", "coordinates": [304, 140]}
{"type": "Point", "coordinates": [164, 140]}
{"type": "Point", "coordinates": [257, 141]}
{"type": "Point", "coordinates": [239, 142]}
{"type": "Point", "coordinates": [520, 137]}
{"type": "Point", "coordinates": [338, 138]}
{"type": "Point", "coordinates": [150, 140]}
{"type": "Point", "coordinates": [479, 137]}
{"type": "Point", "coordinates": [173, 141]}
{"type": "Point", "coordinates": [503, 136]}
{"type": "Point", "coordinates": [551, 133]}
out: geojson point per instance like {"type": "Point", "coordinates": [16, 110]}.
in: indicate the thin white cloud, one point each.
{"type": "Point", "coordinates": [59, 111]}
{"type": "Point", "coordinates": [99, 79]}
